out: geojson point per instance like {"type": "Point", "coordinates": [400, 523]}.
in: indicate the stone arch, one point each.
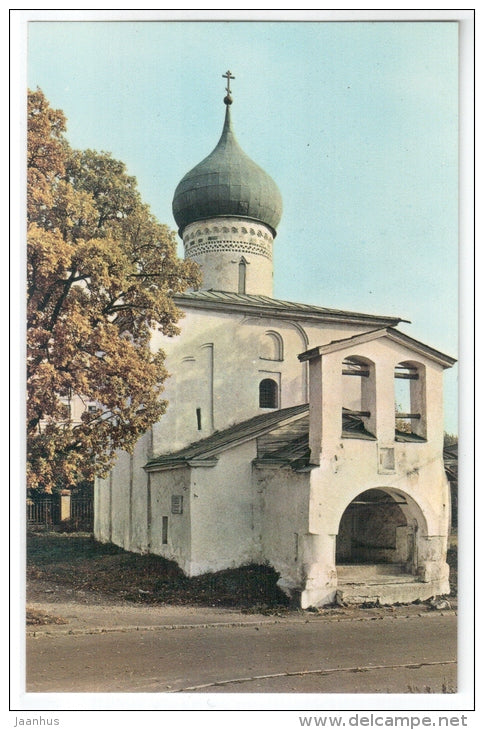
{"type": "Point", "coordinates": [381, 525]}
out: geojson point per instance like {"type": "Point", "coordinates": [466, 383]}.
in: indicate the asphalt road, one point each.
{"type": "Point", "coordinates": [378, 655]}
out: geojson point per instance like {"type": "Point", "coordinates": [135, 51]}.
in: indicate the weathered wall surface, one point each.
{"type": "Point", "coordinates": [170, 537]}
{"type": "Point", "coordinates": [224, 531]}
{"type": "Point", "coordinates": [282, 498]}
{"type": "Point", "coordinates": [216, 366]}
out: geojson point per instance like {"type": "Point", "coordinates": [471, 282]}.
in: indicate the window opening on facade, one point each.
{"type": "Point", "coordinates": [268, 393]}
{"type": "Point", "coordinates": [242, 275]}
{"type": "Point", "coordinates": [358, 400]}
{"type": "Point", "coordinates": [164, 530]}
{"type": "Point", "coordinates": [410, 416]}
{"type": "Point", "coordinates": [199, 419]}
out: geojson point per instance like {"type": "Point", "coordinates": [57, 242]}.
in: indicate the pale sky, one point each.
{"type": "Point", "coordinates": [357, 122]}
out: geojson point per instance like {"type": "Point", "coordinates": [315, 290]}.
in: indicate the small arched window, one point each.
{"type": "Point", "coordinates": [268, 393]}
{"type": "Point", "coordinates": [242, 275]}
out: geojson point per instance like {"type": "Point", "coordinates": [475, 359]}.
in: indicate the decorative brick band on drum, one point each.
{"type": "Point", "coordinates": [197, 249]}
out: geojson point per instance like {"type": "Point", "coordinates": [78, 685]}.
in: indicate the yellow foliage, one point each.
{"type": "Point", "coordinates": [101, 274]}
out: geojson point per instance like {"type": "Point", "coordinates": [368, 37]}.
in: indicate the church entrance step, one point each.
{"type": "Point", "coordinates": [384, 583]}
{"type": "Point", "coordinates": [363, 571]}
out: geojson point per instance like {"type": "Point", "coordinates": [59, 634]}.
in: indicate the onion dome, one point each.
{"type": "Point", "coordinates": [227, 183]}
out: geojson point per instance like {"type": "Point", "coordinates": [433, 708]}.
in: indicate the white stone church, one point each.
{"type": "Point", "coordinates": [281, 444]}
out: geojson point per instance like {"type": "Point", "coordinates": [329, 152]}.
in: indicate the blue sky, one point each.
{"type": "Point", "coordinates": [357, 122]}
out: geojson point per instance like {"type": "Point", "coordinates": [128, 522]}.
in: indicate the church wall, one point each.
{"type": "Point", "coordinates": [216, 365]}
{"type": "Point", "coordinates": [283, 497]}
{"type": "Point", "coordinates": [120, 500]}
{"type": "Point", "coordinates": [322, 333]}
{"type": "Point", "coordinates": [224, 524]}
{"type": "Point", "coordinates": [169, 516]}
{"type": "Point", "coordinates": [139, 494]}
{"type": "Point", "coordinates": [102, 509]}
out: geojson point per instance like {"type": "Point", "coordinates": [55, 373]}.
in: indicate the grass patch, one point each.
{"type": "Point", "coordinates": [81, 563]}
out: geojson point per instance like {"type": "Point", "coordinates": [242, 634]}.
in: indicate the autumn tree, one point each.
{"type": "Point", "coordinates": [101, 275]}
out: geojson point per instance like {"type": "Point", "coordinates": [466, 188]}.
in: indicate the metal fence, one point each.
{"type": "Point", "coordinates": [82, 510]}
{"type": "Point", "coordinates": [77, 512]}
{"type": "Point", "coordinates": [43, 510]}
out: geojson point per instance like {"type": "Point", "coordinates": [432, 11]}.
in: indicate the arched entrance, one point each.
{"type": "Point", "coordinates": [379, 527]}
{"type": "Point", "coordinates": [377, 548]}
{"type": "Point", "coordinates": [374, 529]}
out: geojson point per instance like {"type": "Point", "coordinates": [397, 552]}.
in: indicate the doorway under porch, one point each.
{"type": "Point", "coordinates": [377, 549]}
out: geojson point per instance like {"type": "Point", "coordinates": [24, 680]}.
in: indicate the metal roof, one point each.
{"type": "Point", "coordinates": [221, 440]}
{"type": "Point", "coordinates": [445, 361]}
{"type": "Point", "coordinates": [282, 440]}
{"type": "Point", "coordinates": [260, 305]}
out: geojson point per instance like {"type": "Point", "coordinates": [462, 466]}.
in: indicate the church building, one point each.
{"type": "Point", "coordinates": [281, 444]}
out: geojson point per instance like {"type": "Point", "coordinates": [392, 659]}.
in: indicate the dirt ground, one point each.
{"type": "Point", "coordinates": [74, 583]}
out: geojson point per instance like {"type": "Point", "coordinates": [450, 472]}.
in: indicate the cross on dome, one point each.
{"type": "Point", "coordinates": [228, 75]}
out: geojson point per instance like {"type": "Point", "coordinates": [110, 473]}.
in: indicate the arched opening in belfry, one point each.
{"type": "Point", "coordinates": [410, 401]}
{"type": "Point", "coordinates": [375, 529]}
{"type": "Point", "coordinates": [358, 397]}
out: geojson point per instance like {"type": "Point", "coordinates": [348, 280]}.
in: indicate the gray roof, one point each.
{"type": "Point", "coordinates": [227, 182]}
{"type": "Point", "coordinates": [221, 440]}
{"type": "Point", "coordinates": [282, 440]}
{"type": "Point", "coordinates": [261, 305]}
{"type": "Point", "coordinates": [445, 361]}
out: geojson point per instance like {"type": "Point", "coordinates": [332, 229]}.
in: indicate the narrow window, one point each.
{"type": "Point", "coordinates": [199, 419]}
{"type": "Point", "coordinates": [242, 275]}
{"type": "Point", "coordinates": [164, 530]}
{"type": "Point", "coordinates": [268, 393]}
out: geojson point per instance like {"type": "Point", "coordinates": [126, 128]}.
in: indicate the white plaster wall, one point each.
{"type": "Point", "coordinates": [120, 501]}
{"type": "Point", "coordinates": [139, 494]}
{"type": "Point", "coordinates": [283, 504]}
{"type": "Point", "coordinates": [322, 333]}
{"type": "Point", "coordinates": [222, 508]}
{"type": "Point", "coordinates": [102, 509]}
{"type": "Point", "coordinates": [163, 485]}
{"type": "Point", "coordinates": [226, 387]}
{"type": "Point", "coordinates": [216, 365]}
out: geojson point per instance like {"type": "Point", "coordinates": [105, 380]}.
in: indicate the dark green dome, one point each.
{"type": "Point", "coordinates": [227, 183]}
